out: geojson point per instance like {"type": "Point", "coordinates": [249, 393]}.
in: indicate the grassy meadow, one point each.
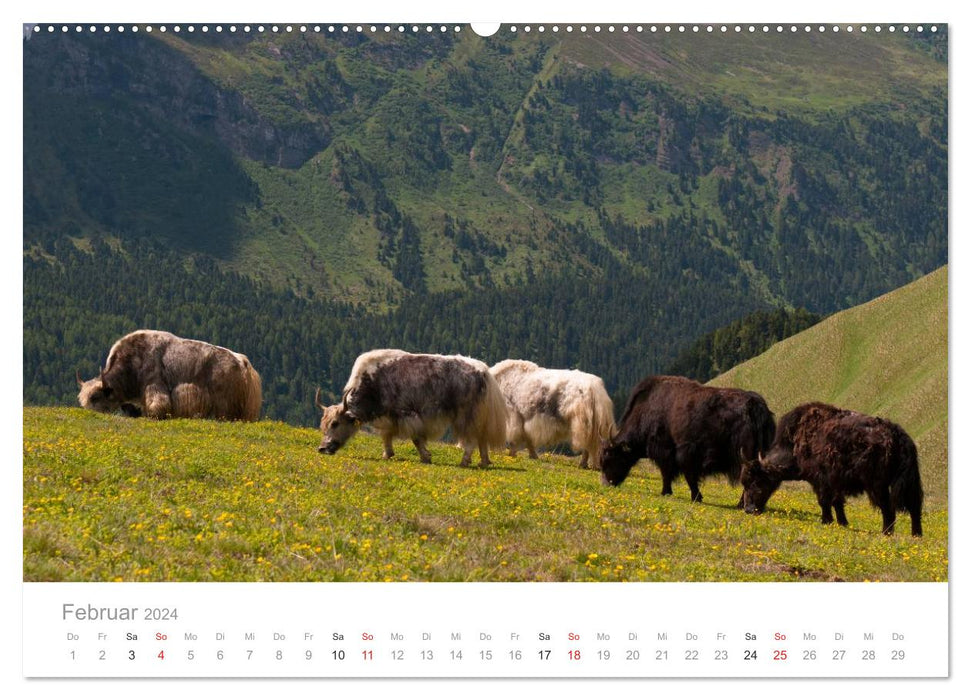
{"type": "Point", "coordinates": [113, 499]}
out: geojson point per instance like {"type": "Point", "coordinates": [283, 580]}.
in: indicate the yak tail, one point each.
{"type": "Point", "coordinates": [757, 440]}
{"type": "Point", "coordinates": [253, 395]}
{"type": "Point", "coordinates": [764, 423]}
{"type": "Point", "coordinates": [906, 492]}
{"type": "Point", "coordinates": [490, 419]}
{"type": "Point", "coordinates": [603, 426]}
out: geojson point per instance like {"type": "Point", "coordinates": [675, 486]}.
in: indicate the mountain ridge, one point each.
{"type": "Point", "coordinates": [330, 164]}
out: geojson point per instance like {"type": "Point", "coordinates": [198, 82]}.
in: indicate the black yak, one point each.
{"type": "Point", "coordinates": [547, 406]}
{"type": "Point", "coordinates": [418, 397]}
{"type": "Point", "coordinates": [688, 428]}
{"type": "Point", "coordinates": [159, 375]}
{"type": "Point", "coordinates": [840, 453]}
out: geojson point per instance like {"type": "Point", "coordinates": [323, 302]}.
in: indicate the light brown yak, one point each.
{"type": "Point", "coordinates": [159, 375]}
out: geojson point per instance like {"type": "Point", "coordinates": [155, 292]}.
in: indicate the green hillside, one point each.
{"type": "Point", "coordinates": [579, 199]}
{"type": "Point", "coordinates": [369, 167]}
{"type": "Point", "coordinates": [110, 498]}
{"type": "Point", "coordinates": [887, 357]}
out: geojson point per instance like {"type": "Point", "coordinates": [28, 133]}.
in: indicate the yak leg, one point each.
{"type": "Point", "coordinates": [692, 480]}
{"type": "Point", "coordinates": [189, 401]}
{"type": "Point", "coordinates": [840, 513]}
{"type": "Point", "coordinates": [915, 528]}
{"type": "Point", "coordinates": [591, 455]}
{"type": "Point", "coordinates": [484, 454]}
{"type": "Point", "coordinates": [889, 516]}
{"type": "Point", "coordinates": [513, 449]}
{"type": "Point", "coordinates": [424, 454]}
{"type": "Point", "coordinates": [826, 505]}
{"type": "Point", "coordinates": [158, 402]}
{"type": "Point", "coordinates": [388, 446]}
{"type": "Point", "coordinates": [666, 478]}
{"type": "Point", "coordinates": [467, 456]}
{"type": "Point", "coordinates": [686, 462]}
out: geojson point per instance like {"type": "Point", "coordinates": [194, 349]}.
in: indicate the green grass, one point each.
{"type": "Point", "coordinates": [887, 357]}
{"type": "Point", "coordinates": [108, 498]}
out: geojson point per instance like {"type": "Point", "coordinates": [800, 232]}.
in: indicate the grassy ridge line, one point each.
{"type": "Point", "coordinates": [108, 498]}
{"type": "Point", "coordinates": [887, 357]}
{"type": "Point", "coordinates": [799, 72]}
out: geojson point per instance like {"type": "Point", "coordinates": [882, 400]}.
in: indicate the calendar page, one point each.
{"type": "Point", "coordinates": [549, 350]}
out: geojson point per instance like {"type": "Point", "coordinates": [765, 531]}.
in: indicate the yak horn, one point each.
{"type": "Point", "coordinates": [77, 375]}
{"type": "Point", "coordinates": [344, 399]}
{"type": "Point", "coordinates": [760, 457]}
{"type": "Point", "coordinates": [317, 400]}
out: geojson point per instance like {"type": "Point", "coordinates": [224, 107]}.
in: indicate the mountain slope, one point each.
{"type": "Point", "coordinates": [578, 200]}
{"type": "Point", "coordinates": [887, 357]}
{"type": "Point", "coordinates": [370, 168]}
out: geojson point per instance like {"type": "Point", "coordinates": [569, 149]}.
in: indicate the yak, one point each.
{"type": "Point", "coordinates": [548, 406]}
{"type": "Point", "coordinates": [160, 375]}
{"type": "Point", "coordinates": [417, 397]}
{"type": "Point", "coordinates": [687, 428]}
{"type": "Point", "coordinates": [840, 453]}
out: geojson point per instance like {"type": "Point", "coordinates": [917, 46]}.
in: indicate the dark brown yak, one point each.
{"type": "Point", "coordinates": [841, 453]}
{"type": "Point", "coordinates": [687, 428]}
{"type": "Point", "coordinates": [160, 375]}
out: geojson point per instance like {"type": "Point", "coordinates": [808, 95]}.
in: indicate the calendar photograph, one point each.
{"type": "Point", "coordinates": [407, 303]}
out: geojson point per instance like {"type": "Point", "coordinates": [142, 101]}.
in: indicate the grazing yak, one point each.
{"type": "Point", "coordinates": [548, 406]}
{"type": "Point", "coordinates": [160, 375]}
{"type": "Point", "coordinates": [418, 397]}
{"type": "Point", "coordinates": [687, 428]}
{"type": "Point", "coordinates": [841, 453]}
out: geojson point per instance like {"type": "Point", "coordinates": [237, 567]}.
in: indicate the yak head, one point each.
{"type": "Point", "coordinates": [337, 425]}
{"type": "Point", "coordinates": [761, 478]}
{"type": "Point", "coordinates": [616, 461]}
{"type": "Point", "coordinates": [96, 395]}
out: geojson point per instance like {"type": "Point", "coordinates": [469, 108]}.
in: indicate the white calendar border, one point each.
{"type": "Point", "coordinates": [505, 10]}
